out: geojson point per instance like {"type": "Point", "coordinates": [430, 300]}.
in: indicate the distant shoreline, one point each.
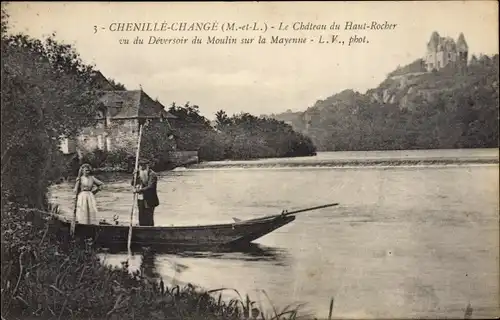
{"type": "Point", "coordinates": [332, 163]}
{"type": "Point", "coordinates": [343, 159]}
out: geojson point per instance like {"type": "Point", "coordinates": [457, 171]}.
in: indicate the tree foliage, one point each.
{"type": "Point", "coordinates": [222, 120]}
{"type": "Point", "coordinates": [117, 85]}
{"type": "Point", "coordinates": [46, 95]}
{"type": "Point", "coordinates": [156, 142]}
{"type": "Point", "coordinates": [414, 67]}
{"type": "Point", "coordinates": [241, 136]}
{"type": "Point", "coordinates": [461, 112]}
{"type": "Point", "coordinates": [189, 114]}
{"type": "Point", "coordinates": [190, 126]}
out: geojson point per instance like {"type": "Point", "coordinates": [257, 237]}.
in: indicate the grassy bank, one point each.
{"type": "Point", "coordinates": [44, 276]}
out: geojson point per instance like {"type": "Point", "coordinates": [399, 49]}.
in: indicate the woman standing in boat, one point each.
{"type": "Point", "coordinates": [86, 187]}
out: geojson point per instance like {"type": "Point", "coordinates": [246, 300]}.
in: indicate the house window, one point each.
{"type": "Point", "coordinates": [100, 114]}
{"type": "Point", "coordinates": [108, 143]}
{"type": "Point", "coordinates": [68, 146]}
{"type": "Point", "coordinates": [119, 104]}
{"type": "Point", "coordinates": [100, 142]}
{"type": "Point", "coordinates": [130, 124]}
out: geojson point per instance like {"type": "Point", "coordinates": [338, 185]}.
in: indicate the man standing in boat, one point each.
{"type": "Point", "coordinates": [147, 197]}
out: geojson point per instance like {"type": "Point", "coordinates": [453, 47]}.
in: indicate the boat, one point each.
{"type": "Point", "coordinates": [236, 233]}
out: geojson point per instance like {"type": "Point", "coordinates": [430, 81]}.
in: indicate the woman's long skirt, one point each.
{"type": "Point", "coordinates": [86, 208]}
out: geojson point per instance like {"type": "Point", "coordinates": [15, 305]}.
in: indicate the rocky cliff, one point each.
{"type": "Point", "coordinates": [450, 108]}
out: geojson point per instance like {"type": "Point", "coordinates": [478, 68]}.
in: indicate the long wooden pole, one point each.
{"type": "Point", "coordinates": [75, 206]}
{"type": "Point", "coordinates": [73, 221]}
{"type": "Point", "coordinates": [309, 209]}
{"type": "Point", "coordinates": [135, 194]}
{"type": "Point", "coordinates": [286, 213]}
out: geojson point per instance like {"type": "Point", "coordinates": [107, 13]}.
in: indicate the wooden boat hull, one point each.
{"type": "Point", "coordinates": [230, 234]}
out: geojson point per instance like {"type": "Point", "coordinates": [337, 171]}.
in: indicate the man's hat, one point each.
{"type": "Point", "coordinates": [143, 162]}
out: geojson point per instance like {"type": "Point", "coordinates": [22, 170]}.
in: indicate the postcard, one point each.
{"type": "Point", "coordinates": [250, 160]}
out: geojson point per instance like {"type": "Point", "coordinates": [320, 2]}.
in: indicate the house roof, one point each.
{"type": "Point", "coordinates": [100, 81]}
{"type": "Point", "coordinates": [439, 43]}
{"type": "Point", "coordinates": [434, 41]}
{"type": "Point", "coordinates": [132, 104]}
{"type": "Point", "coordinates": [168, 115]}
{"type": "Point", "coordinates": [165, 113]}
{"type": "Point", "coordinates": [448, 44]}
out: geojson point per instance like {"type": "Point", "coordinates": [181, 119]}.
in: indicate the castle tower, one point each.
{"type": "Point", "coordinates": [443, 51]}
{"type": "Point", "coordinates": [462, 49]}
{"type": "Point", "coordinates": [432, 49]}
{"type": "Point", "coordinates": [434, 41]}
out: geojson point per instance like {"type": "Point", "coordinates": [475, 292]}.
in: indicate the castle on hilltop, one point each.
{"type": "Point", "coordinates": [443, 51]}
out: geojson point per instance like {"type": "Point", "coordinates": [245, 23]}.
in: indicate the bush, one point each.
{"type": "Point", "coordinates": [215, 147]}
{"type": "Point", "coordinates": [241, 136]}
{"type": "Point", "coordinates": [155, 143]}
{"type": "Point", "coordinates": [96, 158]}
{"type": "Point", "coordinates": [46, 94]}
{"type": "Point", "coordinates": [117, 159]}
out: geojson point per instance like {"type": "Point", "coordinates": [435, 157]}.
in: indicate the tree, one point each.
{"type": "Point", "coordinates": [222, 120]}
{"type": "Point", "coordinates": [189, 113]}
{"type": "Point", "coordinates": [156, 142]}
{"type": "Point", "coordinates": [190, 128]}
{"type": "Point", "coordinates": [245, 136]}
{"type": "Point", "coordinates": [4, 19]}
{"type": "Point", "coordinates": [450, 108]}
{"type": "Point", "coordinates": [117, 85]}
{"type": "Point", "coordinates": [46, 95]}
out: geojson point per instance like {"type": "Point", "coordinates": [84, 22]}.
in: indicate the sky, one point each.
{"type": "Point", "coordinates": [256, 78]}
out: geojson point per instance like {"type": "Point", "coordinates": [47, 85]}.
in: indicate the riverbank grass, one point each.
{"type": "Point", "coordinates": [44, 276]}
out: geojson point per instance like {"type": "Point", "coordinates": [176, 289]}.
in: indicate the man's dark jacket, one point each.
{"type": "Point", "coordinates": [148, 189]}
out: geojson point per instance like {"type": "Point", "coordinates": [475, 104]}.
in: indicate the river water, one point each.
{"type": "Point", "coordinates": [406, 241]}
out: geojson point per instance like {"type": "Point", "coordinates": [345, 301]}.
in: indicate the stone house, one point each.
{"type": "Point", "coordinates": [117, 120]}
{"type": "Point", "coordinates": [444, 51]}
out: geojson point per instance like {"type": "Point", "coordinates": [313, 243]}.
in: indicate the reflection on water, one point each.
{"type": "Point", "coordinates": [417, 242]}
{"type": "Point", "coordinates": [147, 259]}
{"type": "Point", "coordinates": [253, 252]}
